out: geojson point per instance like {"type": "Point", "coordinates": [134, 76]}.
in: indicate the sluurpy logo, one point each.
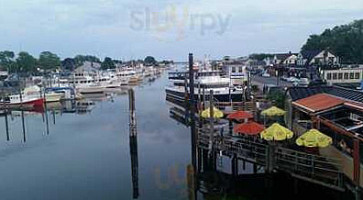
{"type": "Point", "coordinates": [174, 23]}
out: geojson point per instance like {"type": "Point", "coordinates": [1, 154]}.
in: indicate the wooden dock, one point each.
{"type": "Point", "coordinates": [273, 158]}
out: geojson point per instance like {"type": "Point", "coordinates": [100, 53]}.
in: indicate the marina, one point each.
{"type": "Point", "coordinates": [196, 173]}
{"type": "Point", "coordinates": [181, 100]}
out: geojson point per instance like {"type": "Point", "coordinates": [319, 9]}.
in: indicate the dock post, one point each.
{"type": "Point", "coordinates": [270, 157]}
{"type": "Point", "coordinates": [186, 98]}
{"type": "Point", "coordinates": [7, 126]}
{"type": "Point", "coordinates": [234, 164]}
{"type": "Point", "coordinates": [132, 112]}
{"type": "Point", "coordinates": [192, 107]}
{"type": "Point", "coordinates": [23, 125]}
{"type": "Point", "coordinates": [230, 125]}
{"type": "Point", "coordinates": [211, 120]}
{"type": "Point", "coordinates": [194, 134]}
{"type": "Point", "coordinates": [356, 162]}
{"type": "Point", "coordinates": [133, 145]}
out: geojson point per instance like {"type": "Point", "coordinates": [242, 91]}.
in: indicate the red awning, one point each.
{"type": "Point", "coordinates": [238, 115]}
{"type": "Point", "coordinates": [319, 102]}
{"type": "Point", "coordinates": [249, 128]}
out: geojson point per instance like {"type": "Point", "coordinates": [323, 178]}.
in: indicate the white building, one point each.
{"type": "Point", "coordinates": [343, 75]}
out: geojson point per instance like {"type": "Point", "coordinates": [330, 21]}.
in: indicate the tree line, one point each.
{"type": "Point", "coordinates": [345, 41]}
{"type": "Point", "coordinates": [25, 63]}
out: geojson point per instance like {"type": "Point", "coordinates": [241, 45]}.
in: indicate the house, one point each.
{"type": "Point", "coordinates": [317, 57]}
{"type": "Point", "coordinates": [336, 112]}
{"type": "Point", "coordinates": [286, 59]}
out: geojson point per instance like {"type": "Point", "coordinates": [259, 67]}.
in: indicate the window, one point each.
{"type": "Point", "coordinates": [357, 75]}
{"type": "Point", "coordinates": [233, 69]}
{"type": "Point", "coordinates": [346, 75]}
{"type": "Point", "coordinates": [340, 76]}
{"type": "Point", "coordinates": [351, 75]}
{"type": "Point", "coordinates": [328, 76]}
{"type": "Point", "coordinates": [334, 76]}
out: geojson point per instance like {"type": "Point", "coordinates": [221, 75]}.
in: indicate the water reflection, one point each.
{"type": "Point", "coordinates": [50, 111]}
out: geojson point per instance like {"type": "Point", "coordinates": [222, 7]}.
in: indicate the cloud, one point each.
{"type": "Point", "coordinates": [104, 27]}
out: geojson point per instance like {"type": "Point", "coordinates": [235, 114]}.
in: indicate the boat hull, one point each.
{"type": "Point", "coordinates": [27, 103]}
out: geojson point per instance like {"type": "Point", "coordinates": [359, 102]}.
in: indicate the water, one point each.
{"type": "Point", "coordinates": [87, 156]}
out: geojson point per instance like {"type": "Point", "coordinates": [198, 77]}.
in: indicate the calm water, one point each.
{"type": "Point", "coordinates": [87, 156]}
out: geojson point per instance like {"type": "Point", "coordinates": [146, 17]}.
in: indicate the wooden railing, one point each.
{"type": "Point", "coordinates": [309, 167]}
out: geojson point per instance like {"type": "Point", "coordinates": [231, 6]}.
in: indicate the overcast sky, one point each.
{"type": "Point", "coordinates": [167, 29]}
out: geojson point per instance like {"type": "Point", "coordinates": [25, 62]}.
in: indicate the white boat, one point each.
{"type": "Point", "coordinates": [207, 80]}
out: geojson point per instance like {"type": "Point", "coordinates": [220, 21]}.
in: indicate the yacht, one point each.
{"type": "Point", "coordinates": [205, 81]}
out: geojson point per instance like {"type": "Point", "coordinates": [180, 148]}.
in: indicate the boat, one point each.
{"type": "Point", "coordinates": [205, 81]}
{"type": "Point", "coordinates": [29, 97]}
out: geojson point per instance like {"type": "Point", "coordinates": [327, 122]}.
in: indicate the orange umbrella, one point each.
{"type": "Point", "coordinates": [239, 115]}
{"type": "Point", "coordinates": [249, 128]}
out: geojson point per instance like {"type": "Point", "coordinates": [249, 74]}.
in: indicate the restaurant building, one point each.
{"type": "Point", "coordinates": [336, 112]}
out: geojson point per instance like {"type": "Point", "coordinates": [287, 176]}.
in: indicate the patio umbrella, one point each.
{"type": "Point", "coordinates": [276, 132]}
{"type": "Point", "coordinates": [314, 138]}
{"type": "Point", "coordinates": [239, 115]}
{"type": "Point", "coordinates": [249, 128]}
{"type": "Point", "coordinates": [273, 111]}
{"type": "Point", "coordinates": [216, 113]}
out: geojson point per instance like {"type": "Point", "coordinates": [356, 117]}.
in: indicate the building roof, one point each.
{"type": "Point", "coordinates": [284, 56]}
{"type": "Point", "coordinates": [310, 54]}
{"type": "Point", "coordinates": [319, 102]}
{"type": "Point", "coordinates": [297, 93]}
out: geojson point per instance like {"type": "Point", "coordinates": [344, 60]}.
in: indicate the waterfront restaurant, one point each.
{"type": "Point", "coordinates": [336, 112]}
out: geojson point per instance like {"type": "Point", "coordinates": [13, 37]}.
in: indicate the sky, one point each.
{"type": "Point", "coordinates": [167, 29]}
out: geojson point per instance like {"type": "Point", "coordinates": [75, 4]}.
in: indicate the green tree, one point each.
{"type": "Point", "coordinates": [277, 97]}
{"type": "Point", "coordinates": [48, 61]}
{"type": "Point", "coordinates": [80, 59]}
{"type": "Point", "coordinates": [345, 41]}
{"type": "Point", "coordinates": [149, 60]}
{"type": "Point", "coordinates": [69, 64]}
{"type": "Point", "coordinates": [7, 60]}
{"type": "Point", "coordinates": [260, 56]}
{"type": "Point", "coordinates": [108, 64]}
{"type": "Point", "coordinates": [26, 63]}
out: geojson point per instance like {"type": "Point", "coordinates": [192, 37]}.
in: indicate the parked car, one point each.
{"type": "Point", "coordinates": [284, 78]}
{"type": "Point", "coordinates": [266, 74]}
{"type": "Point", "coordinates": [292, 79]}
{"type": "Point", "coordinates": [303, 82]}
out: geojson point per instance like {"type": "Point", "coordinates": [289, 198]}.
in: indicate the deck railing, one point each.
{"type": "Point", "coordinates": [310, 167]}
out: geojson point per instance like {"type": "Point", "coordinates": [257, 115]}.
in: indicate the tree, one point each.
{"type": "Point", "coordinates": [69, 64]}
{"type": "Point", "coordinates": [345, 41]}
{"type": "Point", "coordinates": [80, 59]}
{"type": "Point", "coordinates": [277, 97]}
{"type": "Point", "coordinates": [108, 64]}
{"type": "Point", "coordinates": [260, 56]}
{"type": "Point", "coordinates": [48, 61]}
{"type": "Point", "coordinates": [149, 60]}
{"type": "Point", "coordinates": [7, 60]}
{"type": "Point", "coordinates": [26, 62]}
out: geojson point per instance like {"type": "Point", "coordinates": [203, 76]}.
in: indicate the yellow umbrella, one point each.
{"type": "Point", "coordinates": [216, 113]}
{"type": "Point", "coordinates": [314, 138]}
{"type": "Point", "coordinates": [276, 132]}
{"type": "Point", "coordinates": [273, 111]}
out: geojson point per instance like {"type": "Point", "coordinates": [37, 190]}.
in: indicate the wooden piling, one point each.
{"type": "Point", "coordinates": [133, 145]}
{"type": "Point", "coordinates": [211, 121]}
{"type": "Point", "coordinates": [132, 109]}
